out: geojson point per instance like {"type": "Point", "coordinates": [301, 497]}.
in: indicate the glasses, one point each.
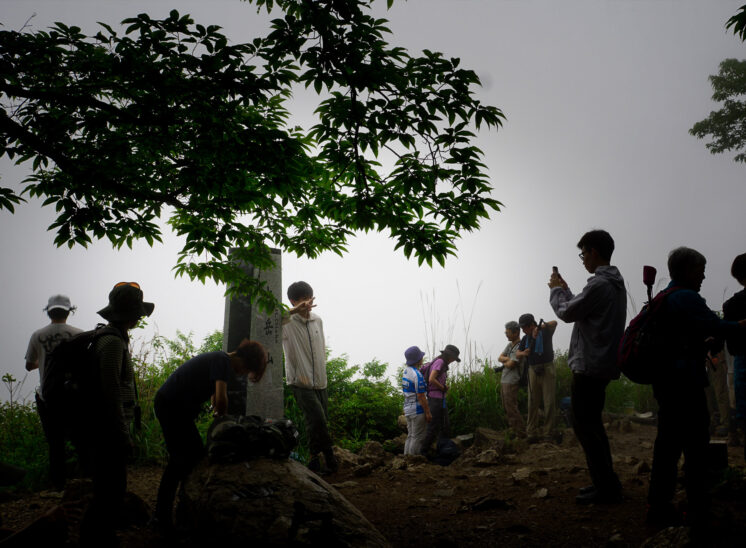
{"type": "Point", "coordinates": [582, 255]}
{"type": "Point", "coordinates": [133, 284]}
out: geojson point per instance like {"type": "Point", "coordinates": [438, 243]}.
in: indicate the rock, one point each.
{"type": "Point", "coordinates": [486, 438]}
{"type": "Point", "coordinates": [646, 445]}
{"type": "Point", "coordinates": [395, 445]}
{"type": "Point", "coordinates": [521, 475]}
{"type": "Point", "coordinates": [401, 422]}
{"type": "Point", "coordinates": [625, 426]}
{"type": "Point", "coordinates": [642, 468]}
{"type": "Point", "coordinates": [615, 540]}
{"type": "Point", "coordinates": [268, 502]}
{"type": "Point", "coordinates": [413, 460]}
{"type": "Point", "coordinates": [373, 453]}
{"type": "Point", "coordinates": [362, 470]}
{"type": "Point", "coordinates": [346, 459]}
{"type": "Point", "coordinates": [464, 441]}
{"type": "Point", "coordinates": [399, 463]}
{"type": "Point", "coordinates": [541, 493]}
{"type": "Point", "coordinates": [443, 493]}
{"type": "Point", "coordinates": [631, 460]}
{"type": "Point", "coordinates": [487, 458]}
{"type": "Point", "coordinates": [669, 538]}
{"type": "Point", "coordinates": [345, 484]}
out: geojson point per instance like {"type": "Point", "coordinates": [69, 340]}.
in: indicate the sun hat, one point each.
{"type": "Point", "coordinates": [125, 303]}
{"type": "Point", "coordinates": [59, 301]}
{"type": "Point", "coordinates": [413, 355]}
{"type": "Point", "coordinates": [526, 319]}
{"type": "Point", "coordinates": [453, 351]}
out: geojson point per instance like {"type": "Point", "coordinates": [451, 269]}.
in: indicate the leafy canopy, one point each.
{"type": "Point", "coordinates": [727, 127]}
{"type": "Point", "coordinates": [167, 118]}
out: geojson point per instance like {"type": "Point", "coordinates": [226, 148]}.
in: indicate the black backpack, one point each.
{"type": "Point", "coordinates": [238, 438]}
{"type": "Point", "coordinates": [71, 374]}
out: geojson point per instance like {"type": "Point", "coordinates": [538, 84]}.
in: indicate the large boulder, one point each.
{"type": "Point", "coordinates": [267, 502]}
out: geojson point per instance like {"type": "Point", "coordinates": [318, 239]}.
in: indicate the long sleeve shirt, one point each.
{"type": "Point", "coordinates": [305, 351]}
{"type": "Point", "coordinates": [599, 314]}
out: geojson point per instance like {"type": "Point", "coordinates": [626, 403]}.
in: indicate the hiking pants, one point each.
{"type": "Point", "coordinates": [509, 395]}
{"type": "Point", "coordinates": [54, 432]}
{"type": "Point", "coordinates": [683, 423]}
{"type": "Point", "coordinates": [185, 450]}
{"type": "Point", "coordinates": [588, 397]}
{"type": "Point", "coordinates": [109, 461]}
{"type": "Point", "coordinates": [416, 430]}
{"type": "Point", "coordinates": [717, 395]}
{"type": "Point", "coordinates": [542, 389]}
{"type": "Point", "coordinates": [313, 403]}
{"type": "Point", "coordinates": [439, 426]}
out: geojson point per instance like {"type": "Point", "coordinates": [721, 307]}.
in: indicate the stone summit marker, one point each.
{"type": "Point", "coordinates": [244, 320]}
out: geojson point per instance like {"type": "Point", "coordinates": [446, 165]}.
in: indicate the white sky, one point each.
{"type": "Point", "coordinates": [599, 96]}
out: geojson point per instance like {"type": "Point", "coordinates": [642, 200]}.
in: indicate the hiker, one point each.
{"type": "Point", "coordinates": [109, 441]}
{"type": "Point", "coordinates": [735, 309]}
{"type": "Point", "coordinates": [179, 402]}
{"type": "Point", "coordinates": [598, 314]}
{"type": "Point", "coordinates": [416, 409]}
{"type": "Point", "coordinates": [683, 420]}
{"type": "Point", "coordinates": [536, 348]}
{"type": "Point", "coordinates": [512, 366]}
{"type": "Point", "coordinates": [305, 372]}
{"type": "Point", "coordinates": [42, 342]}
{"type": "Point", "coordinates": [436, 396]}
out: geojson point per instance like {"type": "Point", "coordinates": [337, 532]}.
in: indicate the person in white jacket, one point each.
{"type": "Point", "coordinates": [305, 371]}
{"type": "Point", "coordinates": [599, 314]}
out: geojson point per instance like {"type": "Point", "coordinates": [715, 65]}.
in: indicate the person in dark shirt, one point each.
{"type": "Point", "coordinates": [734, 309]}
{"type": "Point", "coordinates": [683, 419]}
{"type": "Point", "coordinates": [108, 443]}
{"type": "Point", "coordinates": [178, 403]}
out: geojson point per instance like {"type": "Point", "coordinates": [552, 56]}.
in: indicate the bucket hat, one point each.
{"type": "Point", "coordinates": [453, 351]}
{"type": "Point", "coordinates": [126, 304]}
{"type": "Point", "coordinates": [413, 354]}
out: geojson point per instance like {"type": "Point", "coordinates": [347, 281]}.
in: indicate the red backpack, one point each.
{"type": "Point", "coordinates": [640, 350]}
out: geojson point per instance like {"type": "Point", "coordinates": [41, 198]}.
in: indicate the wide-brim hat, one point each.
{"type": "Point", "coordinates": [413, 354]}
{"type": "Point", "coordinates": [126, 304]}
{"type": "Point", "coordinates": [453, 351]}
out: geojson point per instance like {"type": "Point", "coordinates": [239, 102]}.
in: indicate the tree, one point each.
{"type": "Point", "coordinates": [727, 126]}
{"type": "Point", "coordinates": [167, 118]}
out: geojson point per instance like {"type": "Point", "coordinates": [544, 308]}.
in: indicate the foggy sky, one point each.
{"type": "Point", "coordinates": [599, 97]}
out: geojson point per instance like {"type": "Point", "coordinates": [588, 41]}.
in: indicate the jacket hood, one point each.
{"type": "Point", "coordinates": [611, 274]}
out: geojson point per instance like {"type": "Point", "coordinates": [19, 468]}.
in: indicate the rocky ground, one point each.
{"type": "Point", "coordinates": [495, 494]}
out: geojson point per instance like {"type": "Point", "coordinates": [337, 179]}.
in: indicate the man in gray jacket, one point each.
{"type": "Point", "coordinates": [599, 313]}
{"type": "Point", "coordinates": [305, 371]}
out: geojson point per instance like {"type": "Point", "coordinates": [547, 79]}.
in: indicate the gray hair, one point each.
{"type": "Point", "coordinates": [512, 326]}
{"type": "Point", "coordinates": [682, 259]}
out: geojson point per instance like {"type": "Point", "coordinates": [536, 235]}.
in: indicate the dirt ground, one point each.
{"type": "Point", "coordinates": [524, 498]}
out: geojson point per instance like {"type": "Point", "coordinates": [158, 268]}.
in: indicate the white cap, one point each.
{"type": "Point", "coordinates": [59, 301]}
